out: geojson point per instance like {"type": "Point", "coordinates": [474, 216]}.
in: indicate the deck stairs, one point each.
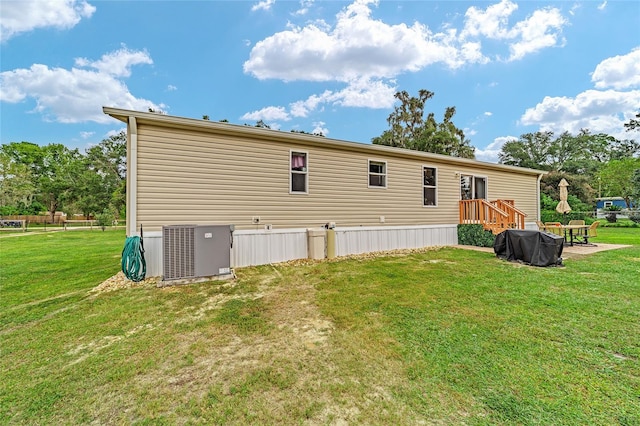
{"type": "Point", "coordinates": [494, 216]}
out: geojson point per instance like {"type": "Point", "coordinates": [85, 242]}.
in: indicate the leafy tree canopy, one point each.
{"type": "Point", "coordinates": [410, 129]}
{"type": "Point", "coordinates": [583, 153]}
{"type": "Point", "coordinates": [53, 177]}
{"type": "Point", "coordinates": [618, 179]}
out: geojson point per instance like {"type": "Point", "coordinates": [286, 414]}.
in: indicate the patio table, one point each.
{"type": "Point", "coordinates": [575, 231]}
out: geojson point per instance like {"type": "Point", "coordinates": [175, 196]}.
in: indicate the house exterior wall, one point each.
{"type": "Point", "coordinates": [186, 171]}
{"type": "Point", "coordinates": [187, 176]}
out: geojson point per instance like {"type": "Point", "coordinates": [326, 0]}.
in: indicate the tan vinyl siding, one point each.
{"type": "Point", "coordinates": [187, 176]}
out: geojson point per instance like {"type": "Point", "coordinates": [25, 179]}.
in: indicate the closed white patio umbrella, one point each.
{"type": "Point", "coordinates": [563, 206]}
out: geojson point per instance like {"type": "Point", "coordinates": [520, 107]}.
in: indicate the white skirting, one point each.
{"type": "Point", "coordinates": [251, 247]}
{"type": "Point", "coordinates": [356, 240]}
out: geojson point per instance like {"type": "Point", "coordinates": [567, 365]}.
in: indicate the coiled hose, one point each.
{"type": "Point", "coordinates": [133, 263]}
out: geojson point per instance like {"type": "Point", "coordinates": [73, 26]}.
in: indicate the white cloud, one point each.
{"type": "Point", "coordinates": [574, 8]}
{"type": "Point", "coordinates": [603, 5]}
{"type": "Point", "coordinates": [618, 72]}
{"type": "Point", "coordinates": [488, 114]}
{"type": "Point", "coordinates": [171, 88]}
{"type": "Point", "coordinates": [27, 15]}
{"type": "Point", "coordinates": [269, 113]}
{"type": "Point", "coordinates": [115, 132]}
{"type": "Point", "coordinates": [117, 63]}
{"type": "Point", "coordinates": [358, 93]}
{"type": "Point", "coordinates": [366, 54]}
{"type": "Point", "coordinates": [542, 29]}
{"type": "Point", "coordinates": [305, 5]}
{"type": "Point", "coordinates": [319, 128]}
{"type": "Point", "coordinates": [86, 135]}
{"type": "Point", "coordinates": [302, 108]}
{"type": "Point", "coordinates": [490, 153]}
{"type": "Point", "coordinates": [363, 93]}
{"type": "Point", "coordinates": [77, 95]}
{"type": "Point", "coordinates": [263, 5]}
{"type": "Point", "coordinates": [491, 23]}
{"type": "Point", "coordinates": [357, 46]}
{"type": "Point", "coordinates": [598, 111]}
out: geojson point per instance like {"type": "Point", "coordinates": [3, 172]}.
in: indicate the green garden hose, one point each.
{"type": "Point", "coordinates": [133, 263]}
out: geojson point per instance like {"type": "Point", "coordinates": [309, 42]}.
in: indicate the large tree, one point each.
{"type": "Point", "coordinates": [59, 179]}
{"type": "Point", "coordinates": [635, 193]}
{"type": "Point", "coordinates": [17, 190]}
{"type": "Point", "coordinates": [105, 172]}
{"type": "Point", "coordinates": [582, 154]}
{"type": "Point", "coordinates": [531, 151]}
{"type": "Point", "coordinates": [409, 128]}
{"type": "Point", "coordinates": [617, 179]}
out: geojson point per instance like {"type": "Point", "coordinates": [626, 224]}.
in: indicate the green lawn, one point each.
{"type": "Point", "coordinates": [444, 336]}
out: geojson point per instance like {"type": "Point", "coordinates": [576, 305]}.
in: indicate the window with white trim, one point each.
{"type": "Point", "coordinates": [377, 174]}
{"type": "Point", "coordinates": [298, 164]}
{"type": "Point", "coordinates": [429, 181]}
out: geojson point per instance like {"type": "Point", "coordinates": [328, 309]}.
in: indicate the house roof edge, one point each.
{"type": "Point", "coordinates": [282, 136]}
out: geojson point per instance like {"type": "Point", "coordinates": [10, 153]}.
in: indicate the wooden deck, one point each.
{"type": "Point", "coordinates": [495, 216]}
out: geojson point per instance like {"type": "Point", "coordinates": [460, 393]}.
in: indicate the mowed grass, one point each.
{"type": "Point", "coordinates": [443, 336]}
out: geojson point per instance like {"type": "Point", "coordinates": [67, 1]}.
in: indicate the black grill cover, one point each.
{"type": "Point", "coordinates": [532, 247]}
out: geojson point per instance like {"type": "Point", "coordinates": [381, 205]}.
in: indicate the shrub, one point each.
{"type": "Point", "coordinates": [475, 235]}
{"type": "Point", "coordinates": [634, 217]}
{"type": "Point", "coordinates": [104, 219]}
{"type": "Point", "coordinates": [611, 217]}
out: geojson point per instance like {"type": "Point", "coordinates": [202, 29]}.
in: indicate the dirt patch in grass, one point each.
{"type": "Point", "coordinates": [298, 366]}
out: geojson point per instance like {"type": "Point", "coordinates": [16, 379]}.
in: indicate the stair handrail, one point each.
{"type": "Point", "coordinates": [479, 216]}
{"type": "Point", "coordinates": [515, 215]}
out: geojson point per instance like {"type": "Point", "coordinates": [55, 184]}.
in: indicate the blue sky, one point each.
{"type": "Point", "coordinates": [508, 67]}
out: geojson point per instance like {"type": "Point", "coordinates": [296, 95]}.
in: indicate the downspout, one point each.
{"type": "Point", "coordinates": [132, 176]}
{"type": "Point", "coordinates": [538, 212]}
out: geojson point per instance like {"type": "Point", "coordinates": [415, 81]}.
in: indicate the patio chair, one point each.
{"type": "Point", "coordinates": [541, 226]}
{"type": "Point", "coordinates": [554, 228]}
{"type": "Point", "coordinates": [581, 232]}
{"type": "Point", "coordinates": [592, 232]}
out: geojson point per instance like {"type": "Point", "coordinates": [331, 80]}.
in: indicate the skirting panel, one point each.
{"type": "Point", "coordinates": [152, 242]}
{"type": "Point", "coordinates": [369, 239]}
{"type": "Point", "coordinates": [264, 247]}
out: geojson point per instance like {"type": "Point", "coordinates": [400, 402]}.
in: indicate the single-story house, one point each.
{"type": "Point", "coordinates": [606, 202]}
{"type": "Point", "coordinates": [288, 195]}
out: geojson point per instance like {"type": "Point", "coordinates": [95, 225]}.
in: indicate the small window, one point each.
{"type": "Point", "coordinates": [298, 172]}
{"type": "Point", "coordinates": [429, 180]}
{"type": "Point", "coordinates": [608, 204]}
{"type": "Point", "coordinates": [377, 174]}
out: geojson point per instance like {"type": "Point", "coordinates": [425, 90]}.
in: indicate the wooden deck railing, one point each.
{"type": "Point", "coordinates": [516, 216]}
{"type": "Point", "coordinates": [495, 216]}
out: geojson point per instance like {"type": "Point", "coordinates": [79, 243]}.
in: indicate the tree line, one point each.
{"type": "Point", "coordinates": [594, 164]}
{"type": "Point", "coordinates": [54, 178]}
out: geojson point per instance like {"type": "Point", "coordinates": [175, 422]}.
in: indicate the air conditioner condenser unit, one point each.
{"type": "Point", "coordinates": [196, 251]}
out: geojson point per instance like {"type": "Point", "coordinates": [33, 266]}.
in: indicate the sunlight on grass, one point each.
{"type": "Point", "coordinates": [442, 336]}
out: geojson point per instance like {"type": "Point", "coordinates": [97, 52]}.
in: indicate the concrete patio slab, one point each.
{"type": "Point", "coordinates": [567, 252]}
